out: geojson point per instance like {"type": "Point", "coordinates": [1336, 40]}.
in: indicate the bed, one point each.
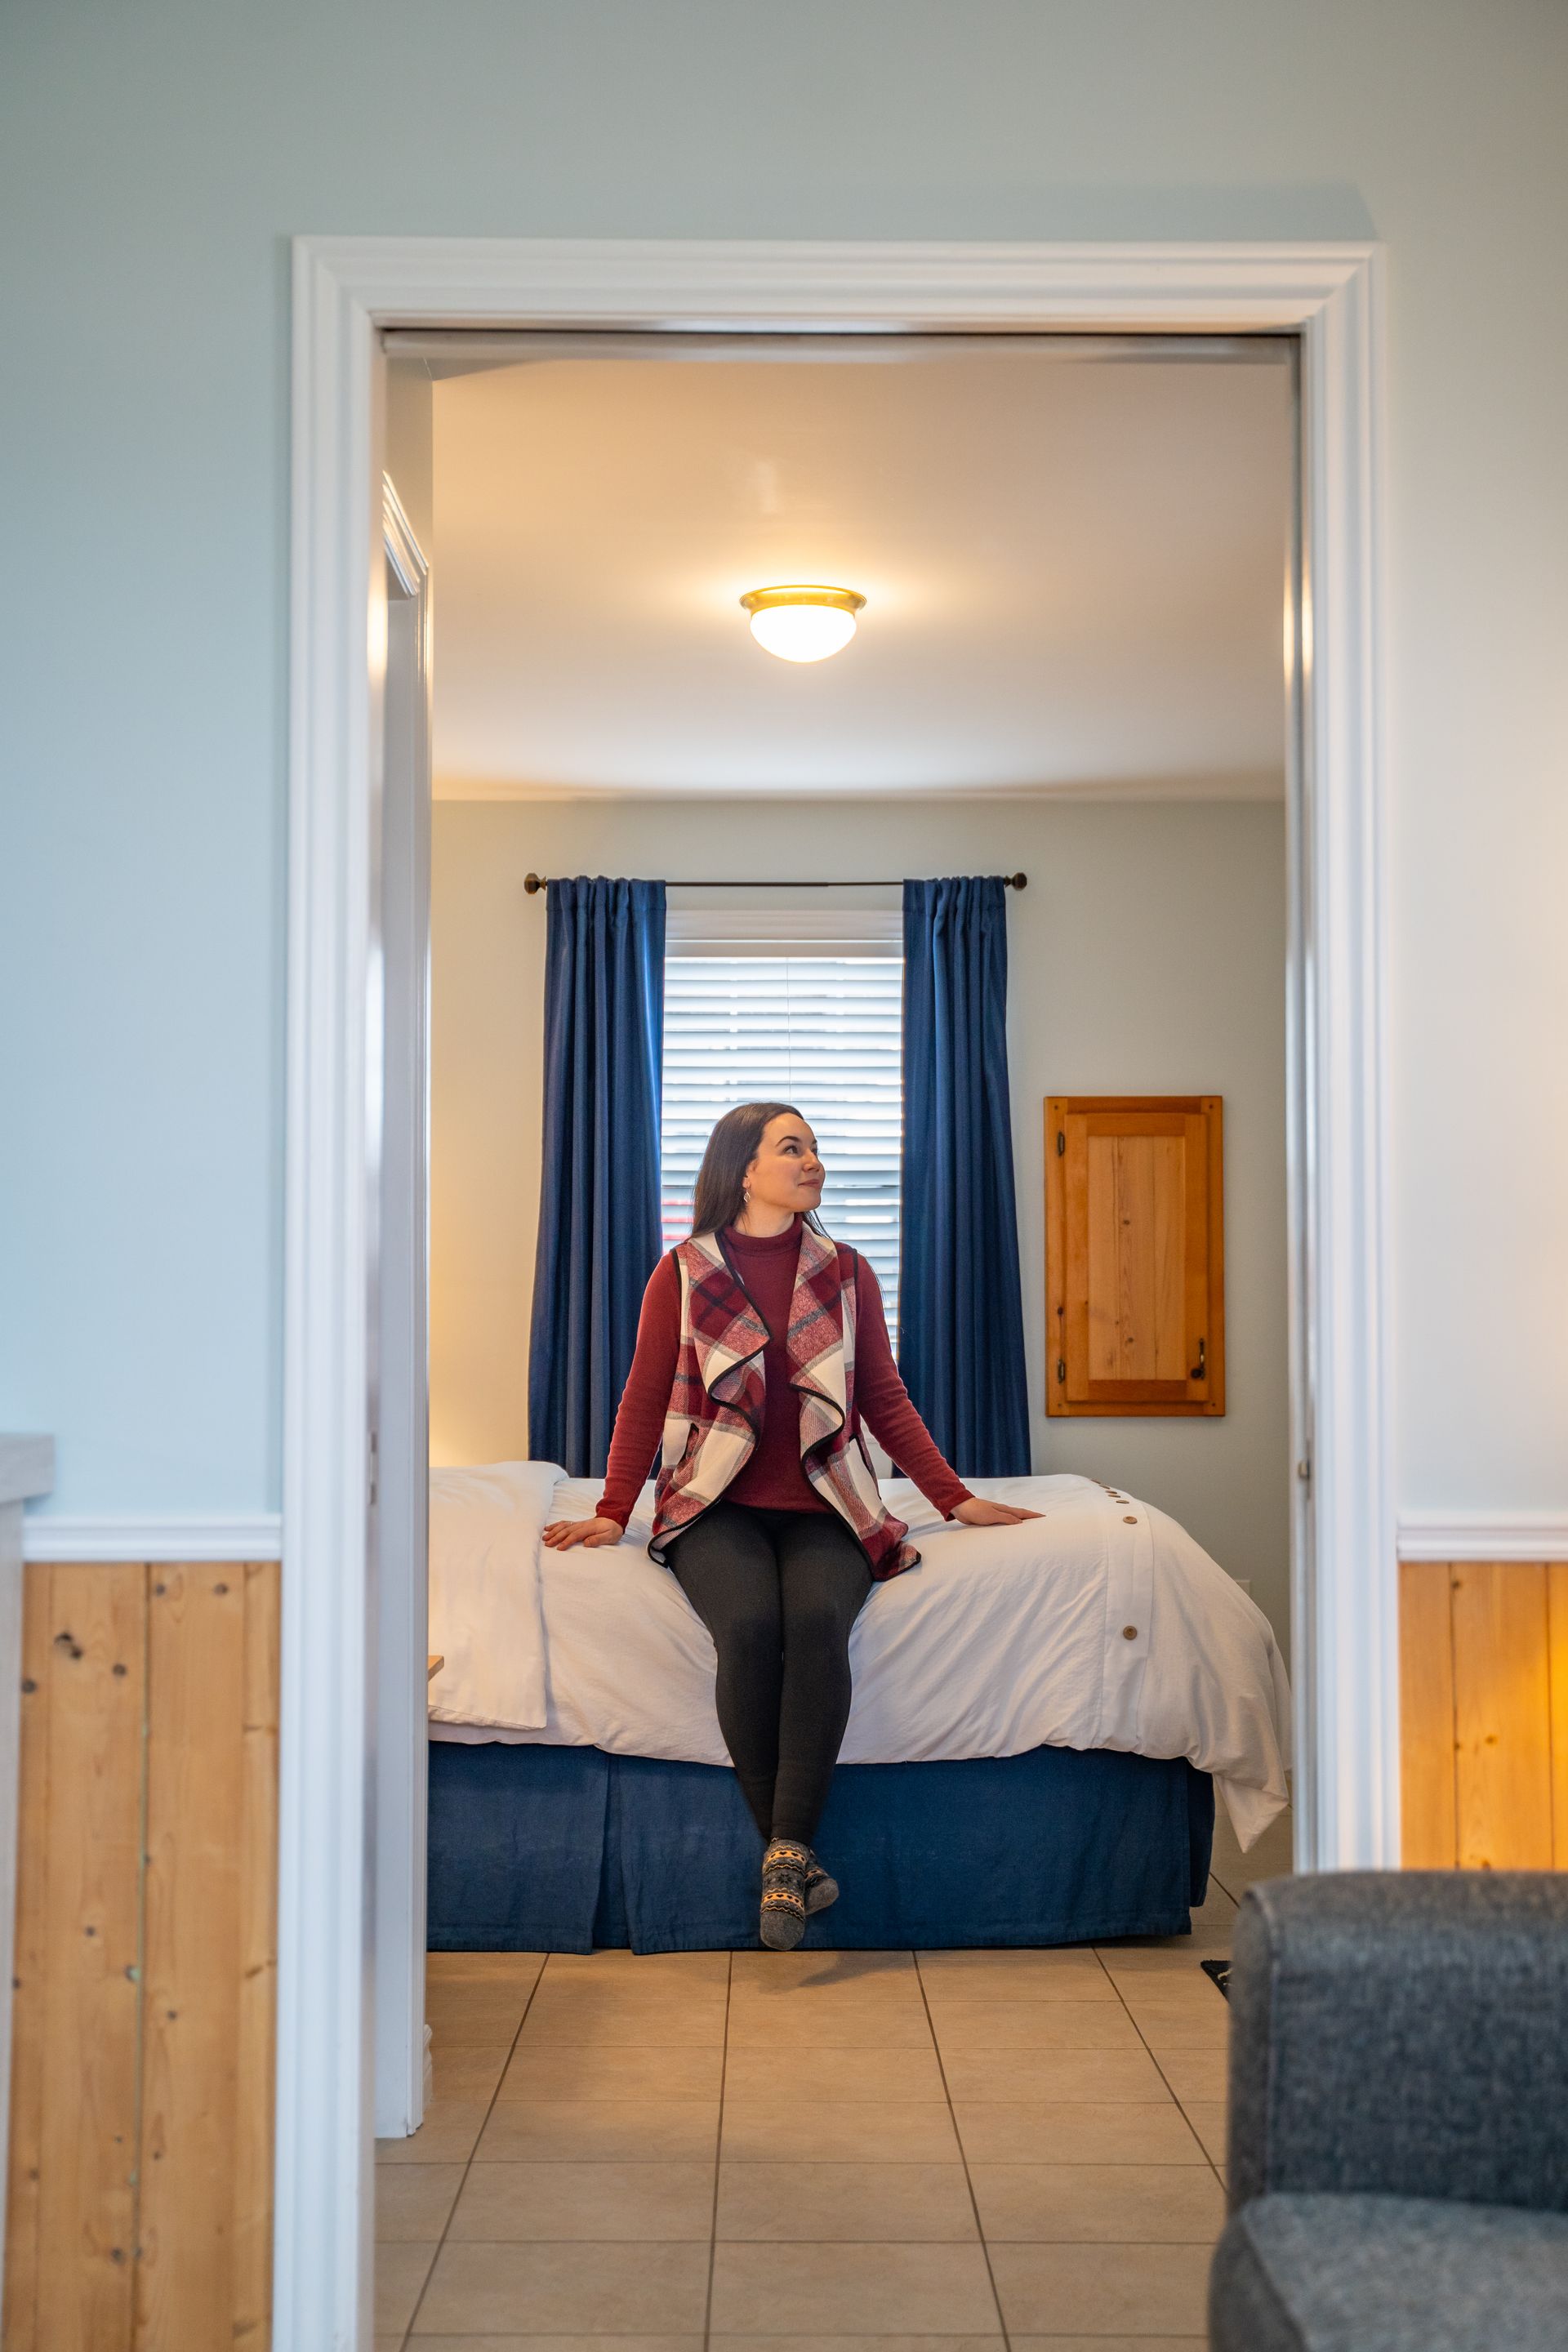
{"type": "Point", "coordinates": [1043, 1714]}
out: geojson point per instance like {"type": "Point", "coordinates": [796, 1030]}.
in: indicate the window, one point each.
{"type": "Point", "coordinates": [751, 1014]}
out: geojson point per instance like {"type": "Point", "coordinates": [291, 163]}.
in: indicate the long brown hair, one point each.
{"type": "Point", "coordinates": [720, 1193]}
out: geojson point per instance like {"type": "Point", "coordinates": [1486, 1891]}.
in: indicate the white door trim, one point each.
{"type": "Point", "coordinates": [400, 1521]}
{"type": "Point", "coordinates": [344, 290]}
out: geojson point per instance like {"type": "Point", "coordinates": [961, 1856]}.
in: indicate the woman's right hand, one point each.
{"type": "Point", "coordinates": [561, 1534]}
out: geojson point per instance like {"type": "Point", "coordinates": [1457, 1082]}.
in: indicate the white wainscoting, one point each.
{"type": "Point", "coordinates": [1483, 1535]}
{"type": "Point", "coordinates": [51, 1536]}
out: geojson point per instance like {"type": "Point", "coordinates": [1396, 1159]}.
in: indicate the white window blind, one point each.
{"type": "Point", "coordinates": [818, 1026]}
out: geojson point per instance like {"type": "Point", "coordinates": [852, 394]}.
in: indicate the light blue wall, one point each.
{"type": "Point", "coordinates": [154, 160]}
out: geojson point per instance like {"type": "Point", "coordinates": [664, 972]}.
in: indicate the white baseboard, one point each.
{"type": "Point", "coordinates": [1483, 1535]}
{"type": "Point", "coordinates": [53, 1536]}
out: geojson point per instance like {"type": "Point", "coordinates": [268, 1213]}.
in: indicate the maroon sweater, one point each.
{"type": "Point", "coordinates": [773, 1478]}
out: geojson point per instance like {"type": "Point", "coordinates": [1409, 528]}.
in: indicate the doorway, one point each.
{"type": "Point", "coordinates": [1346, 1787]}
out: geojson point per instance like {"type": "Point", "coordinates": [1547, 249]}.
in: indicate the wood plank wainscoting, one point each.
{"type": "Point", "coordinates": [1483, 1673]}
{"type": "Point", "coordinates": [140, 2196]}
{"type": "Point", "coordinates": [139, 2201]}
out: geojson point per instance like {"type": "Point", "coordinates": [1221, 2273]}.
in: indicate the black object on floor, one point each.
{"type": "Point", "coordinates": [1220, 1971]}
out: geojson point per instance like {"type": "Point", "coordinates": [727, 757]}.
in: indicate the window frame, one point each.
{"type": "Point", "coordinates": [730, 934]}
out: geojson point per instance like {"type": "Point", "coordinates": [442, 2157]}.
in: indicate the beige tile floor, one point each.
{"type": "Point", "coordinates": [853, 2152]}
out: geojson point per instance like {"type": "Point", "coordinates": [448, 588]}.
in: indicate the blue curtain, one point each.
{"type": "Point", "coordinates": [599, 1232]}
{"type": "Point", "coordinates": [960, 1310]}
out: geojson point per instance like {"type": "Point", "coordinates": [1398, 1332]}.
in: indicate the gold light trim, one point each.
{"type": "Point", "coordinates": [840, 599]}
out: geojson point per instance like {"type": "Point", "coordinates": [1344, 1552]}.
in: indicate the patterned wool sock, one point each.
{"type": "Point", "coordinates": [820, 1889]}
{"type": "Point", "coordinates": [782, 1922]}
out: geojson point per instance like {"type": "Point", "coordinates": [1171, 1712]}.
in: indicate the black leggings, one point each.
{"type": "Point", "coordinates": [778, 1591]}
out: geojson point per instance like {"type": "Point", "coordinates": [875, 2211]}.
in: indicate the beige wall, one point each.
{"type": "Point", "coordinates": [1146, 957]}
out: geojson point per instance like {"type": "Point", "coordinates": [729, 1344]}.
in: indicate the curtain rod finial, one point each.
{"type": "Point", "coordinates": [1017, 881]}
{"type": "Point", "coordinates": [535, 883]}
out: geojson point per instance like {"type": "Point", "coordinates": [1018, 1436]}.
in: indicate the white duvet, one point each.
{"type": "Point", "coordinates": [1101, 1625]}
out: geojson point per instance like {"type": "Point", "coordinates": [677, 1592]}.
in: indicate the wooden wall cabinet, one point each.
{"type": "Point", "coordinates": [1134, 1255]}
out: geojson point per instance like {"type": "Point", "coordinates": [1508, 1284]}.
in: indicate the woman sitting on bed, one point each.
{"type": "Point", "coordinates": [761, 1350]}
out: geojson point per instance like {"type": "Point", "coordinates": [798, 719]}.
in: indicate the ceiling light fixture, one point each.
{"type": "Point", "coordinates": [803, 624]}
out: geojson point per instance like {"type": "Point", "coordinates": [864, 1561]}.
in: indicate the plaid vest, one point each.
{"type": "Point", "coordinates": [718, 1398]}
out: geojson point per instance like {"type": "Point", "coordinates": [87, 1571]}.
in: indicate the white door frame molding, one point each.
{"type": "Point", "coordinates": [346, 291]}
{"type": "Point", "coordinates": [399, 1376]}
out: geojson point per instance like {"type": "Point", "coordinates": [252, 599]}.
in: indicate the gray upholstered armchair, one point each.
{"type": "Point", "coordinates": [1398, 2116]}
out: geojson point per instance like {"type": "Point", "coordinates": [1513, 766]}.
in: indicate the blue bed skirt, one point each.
{"type": "Point", "coordinates": [540, 1849]}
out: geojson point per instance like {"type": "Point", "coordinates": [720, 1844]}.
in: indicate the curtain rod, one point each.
{"type": "Point", "coordinates": [535, 882]}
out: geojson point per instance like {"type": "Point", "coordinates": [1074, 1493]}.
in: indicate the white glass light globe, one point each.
{"type": "Point", "coordinates": [803, 633]}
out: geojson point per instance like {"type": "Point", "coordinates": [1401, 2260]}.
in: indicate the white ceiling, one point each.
{"type": "Point", "coordinates": [1073, 571]}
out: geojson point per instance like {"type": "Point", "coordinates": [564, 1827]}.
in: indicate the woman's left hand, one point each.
{"type": "Point", "coordinates": [979, 1513]}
